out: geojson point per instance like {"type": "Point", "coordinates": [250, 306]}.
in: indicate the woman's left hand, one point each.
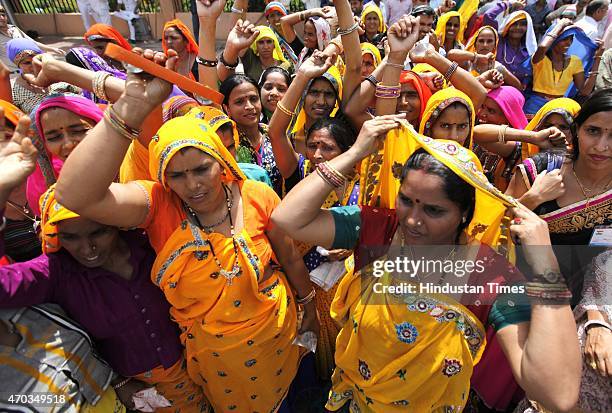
{"type": "Point", "coordinates": [310, 321]}
{"type": "Point", "coordinates": [491, 79]}
{"type": "Point", "coordinates": [315, 65]}
{"type": "Point", "coordinates": [598, 350]}
{"type": "Point", "coordinates": [17, 155]}
{"type": "Point", "coordinates": [533, 234]}
{"type": "Point", "coordinates": [338, 255]}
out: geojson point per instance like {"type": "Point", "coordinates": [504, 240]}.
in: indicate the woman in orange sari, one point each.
{"type": "Point", "coordinates": [179, 38]}
{"type": "Point", "coordinates": [99, 35]}
{"type": "Point", "coordinates": [226, 271]}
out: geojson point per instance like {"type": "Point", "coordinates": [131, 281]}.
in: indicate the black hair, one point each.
{"type": "Point", "coordinates": [342, 132]}
{"type": "Point", "coordinates": [593, 6]}
{"type": "Point", "coordinates": [74, 60]}
{"type": "Point", "coordinates": [274, 69]}
{"type": "Point", "coordinates": [231, 82]}
{"type": "Point", "coordinates": [600, 101]}
{"type": "Point", "coordinates": [423, 10]}
{"type": "Point", "coordinates": [456, 189]}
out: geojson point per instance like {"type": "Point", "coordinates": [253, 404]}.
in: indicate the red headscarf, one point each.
{"type": "Point", "coordinates": [408, 76]}
{"type": "Point", "coordinates": [192, 46]}
{"type": "Point", "coordinates": [101, 31]}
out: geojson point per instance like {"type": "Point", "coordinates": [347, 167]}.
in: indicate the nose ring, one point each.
{"type": "Point", "coordinates": [419, 223]}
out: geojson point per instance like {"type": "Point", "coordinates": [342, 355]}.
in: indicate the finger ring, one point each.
{"type": "Point", "coordinates": [132, 69]}
{"type": "Point", "coordinates": [517, 221]}
{"type": "Point", "coordinates": [593, 365]}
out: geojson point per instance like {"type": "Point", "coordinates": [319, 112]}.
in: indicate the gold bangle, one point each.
{"type": "Point", "coordinates": [338, 45]}
{"type": "Point", "coordinates": [98, 85]}
{"type": "Point", "coordinates": [307, 299]}
{"type": "Point", "coordinates": [283, 109]}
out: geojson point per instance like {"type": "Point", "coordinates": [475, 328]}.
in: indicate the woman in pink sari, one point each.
{"type": "Point", "coordinates": [61, 122]}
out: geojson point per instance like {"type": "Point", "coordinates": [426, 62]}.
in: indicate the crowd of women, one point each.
{"type": "Point", "coordinates": [162, 252]}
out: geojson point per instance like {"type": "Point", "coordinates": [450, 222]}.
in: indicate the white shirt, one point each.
{"type": "Point", "coordinates": [590, 27]}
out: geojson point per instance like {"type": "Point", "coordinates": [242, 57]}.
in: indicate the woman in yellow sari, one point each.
{"type": "Point", "coordinates": [398, 350]}
{"type": "Point", "coordinates": [219, 260]}
{"type": "Point", "coordinates": [449, 114]}
{"type": "Point", "coordinates": [370, 59]}
{"type": "Point", "coordinates": [372, 22]}
{"type": "Point", "coordinates": [450, 32]}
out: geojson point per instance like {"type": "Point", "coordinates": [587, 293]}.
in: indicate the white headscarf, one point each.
{"type": "Point", "coordinates": [323, 31]}
{"type": "Point", "coordinates": [530, 38]}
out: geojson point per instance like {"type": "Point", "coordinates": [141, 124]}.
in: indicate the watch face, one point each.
{"type": "Point", "coordinates": [552, 277]}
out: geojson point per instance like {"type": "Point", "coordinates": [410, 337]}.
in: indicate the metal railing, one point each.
{"type": "Point", "coordinates": [70, 6]}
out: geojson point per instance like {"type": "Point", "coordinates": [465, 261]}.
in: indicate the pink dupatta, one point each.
{"type": "Point", "coordinates": [44, 176]}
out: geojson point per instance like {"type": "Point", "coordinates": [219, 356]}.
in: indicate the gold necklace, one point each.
{"type": "Point", "coordinates": [585, 190]}
{"type": "Point", "coordinates": [450, 255]}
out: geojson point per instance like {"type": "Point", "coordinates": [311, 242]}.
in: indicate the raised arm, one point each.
{"type": "Point", "coordinates": [460, 78]}
{"type": "Point", "coordinates": [89, 191]}
{"type": "Point", "coordinates": [548, 40]}
{"type": "Point", "coordinates": [208, 15]}
{"type": "Point", "coordinates": [352, 48]}
{"type": "Point", "coordinates": [240, 38]}
{"type": "Point", "coordinates": [356, 106]}
{"type": "Point", "coordinates": [543, 353]}
{"type": "Point", "coordinates": [500, 139]}
{"type": "Point", "coordinates": [284, 154]}
{"type": "Point", "coordinates": [290, 20]}
{"type": "Point", "coordinates": [402, 36]}
{"type": "Point", "coordinates": [300, 213]}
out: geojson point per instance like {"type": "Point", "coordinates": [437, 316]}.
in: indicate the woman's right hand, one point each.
{"type": "Point", "coordinates": [17, 155]}
{"type": "Point", "coordinates": [242, 35]}
{"type": "Point", "coordinates": [143, 92]}
{"type": "Point", "coordinates": [44, 71]}
{"type": "Point", "coordinates": [373, 133]}
{"type": "Point", "coordinates": [315, 65]}
{"type": "Point", "coordinates": [550, 138]}
{"type": "Point", "coordinates": [548, 186]}
{"type": "Point", "coordinates": [403, 34]}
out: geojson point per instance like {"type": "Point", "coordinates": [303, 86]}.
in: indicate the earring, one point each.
{"type": "Point", "coordinates": [463, 220]}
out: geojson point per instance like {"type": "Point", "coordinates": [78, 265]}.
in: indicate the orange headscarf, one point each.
{"type": "Point", "coordinates": [11, 112]}
{"type": "Point", "coordinates": [408, 76]}
{"type": "Point", "coordinates": [106, 32]}
{"type": "Point", "coordinates": [192, 46]}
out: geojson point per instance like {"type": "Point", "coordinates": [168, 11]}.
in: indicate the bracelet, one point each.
{"type": "Point", "coordinates": [338, 44]}
{"type": "Point", "coordinates": [553, 36]}
{"type": "Point", "coordinates": [453, 67]}
{"type": "Point", "coordinates": [283, 109]}
{"type": "Point", "coordinates": [557, 292]}
{"type": "Point", "coordinates": [207, 63]}
{"type": "Point", "coordinates": [119, 124]}
{"type": "Point", "coordinates": [235, 10]}
{"type": "Point", "coordinates": [599, 323]}
{"type": "Point", "coordinates": [226, 64]}
{"type": "Point", "coordinates": [98, 83]}
{"type": "Point", "coordinates": [501, 134]}
{"type": "Point", "coordinates": [387, 92]}
{"type": "Point", "coordinates": [344, 32]}
{"type": "Point", "coordinates": [330, 175]}
{"type": "Point", "coordinates": [398, 65]}
{"type": "Point", "coordinates": [372, 79]}
{"type": "Point", "coordinates": [122, 383]}
{"type": "Point", "coordinates": [307, 299]}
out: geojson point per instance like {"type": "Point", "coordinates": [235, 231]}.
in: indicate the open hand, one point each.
{"type": "Point", "coordinates": [242, 35]}
{"type": "Point", "coordinates": [17, 154]}
{"type": "Point", "coordinates": [316, 65]}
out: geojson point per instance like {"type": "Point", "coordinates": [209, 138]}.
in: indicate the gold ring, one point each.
{"type": "Point", "coordinates": [593, 365]}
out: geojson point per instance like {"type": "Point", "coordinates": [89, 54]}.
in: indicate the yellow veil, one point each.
{"type": "Point", "coordinates": [371, 7]}
{"type": "Point", "coordinates": [267, 33]}
{"type": "Point", "coordinates": [566, 107]}
{"type": "Point", "coordinates": [51, 212]}
{"type": "Point", "coordinates": [215, 118]}
{"type": "Point", "coordinates": [380, 181]}
{"type": "Point", "coordinates": [441, 26]}
{"type": "Point", "coordinates": [369, 48]}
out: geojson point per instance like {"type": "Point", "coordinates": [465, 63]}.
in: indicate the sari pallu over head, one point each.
{"type": "Point", "coordinates": [408, 76]}
{"type": "Point", "coordinates": [267, 33]}
{"type": "Point", "coordinates": [441, 27]}
{"type": "Point", "coordinates": [471, 44]}
{"type": "Point", "coordinates": [323, 30]}
{"type": "Point", "coordinates": [510, 100]}
{"type": "Point", "coordinates": [101, 31]}
{"type": "Point", "coordinates": [371, 7]}
{"type": "Point", "coordinates": [298, 122]}
{"type": "Point", "coordinates": [425, 361]}
{"type": "Point", "coordinates": [531, 44]}
{"type": "Point", "coordinates": [19, 49]}
{"type": "Point", "coordinates": [48, 167]}
{"type": "Point", "coordinates": [567, 108]}
{"type": "Point", "coordinates": [52, 212]}
{"type": "Point", "coordinates": [369, 48]}
{"type": "Point", "coordinates": [215, 118]}
{"type": "Point", "coordinates": [232, 328]}
{"type": "Point", "coordinates": [440, 101]}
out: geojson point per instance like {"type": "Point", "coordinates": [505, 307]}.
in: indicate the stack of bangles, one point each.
{"type": "Point", "coordinates": [501, 134]}
{"type": "Point", "coordinates": [344, 32]}
{"type": "Point", "coordinates": [331, 175]}
{"type": "Point", "coordinates": [119, 124]}
{"type": "Point", "coordinates": [551, 292]}
{"type": "Point", "coordinates": [284, 110]}
{"type": "Point", "coordinates": [451, 70]}
{"type": "Point", "coordinates": [307, 299]}
{"type": "Point", "coordinates": [98, 85]}
{"type": "Point", "coordinates": [387, 92]}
